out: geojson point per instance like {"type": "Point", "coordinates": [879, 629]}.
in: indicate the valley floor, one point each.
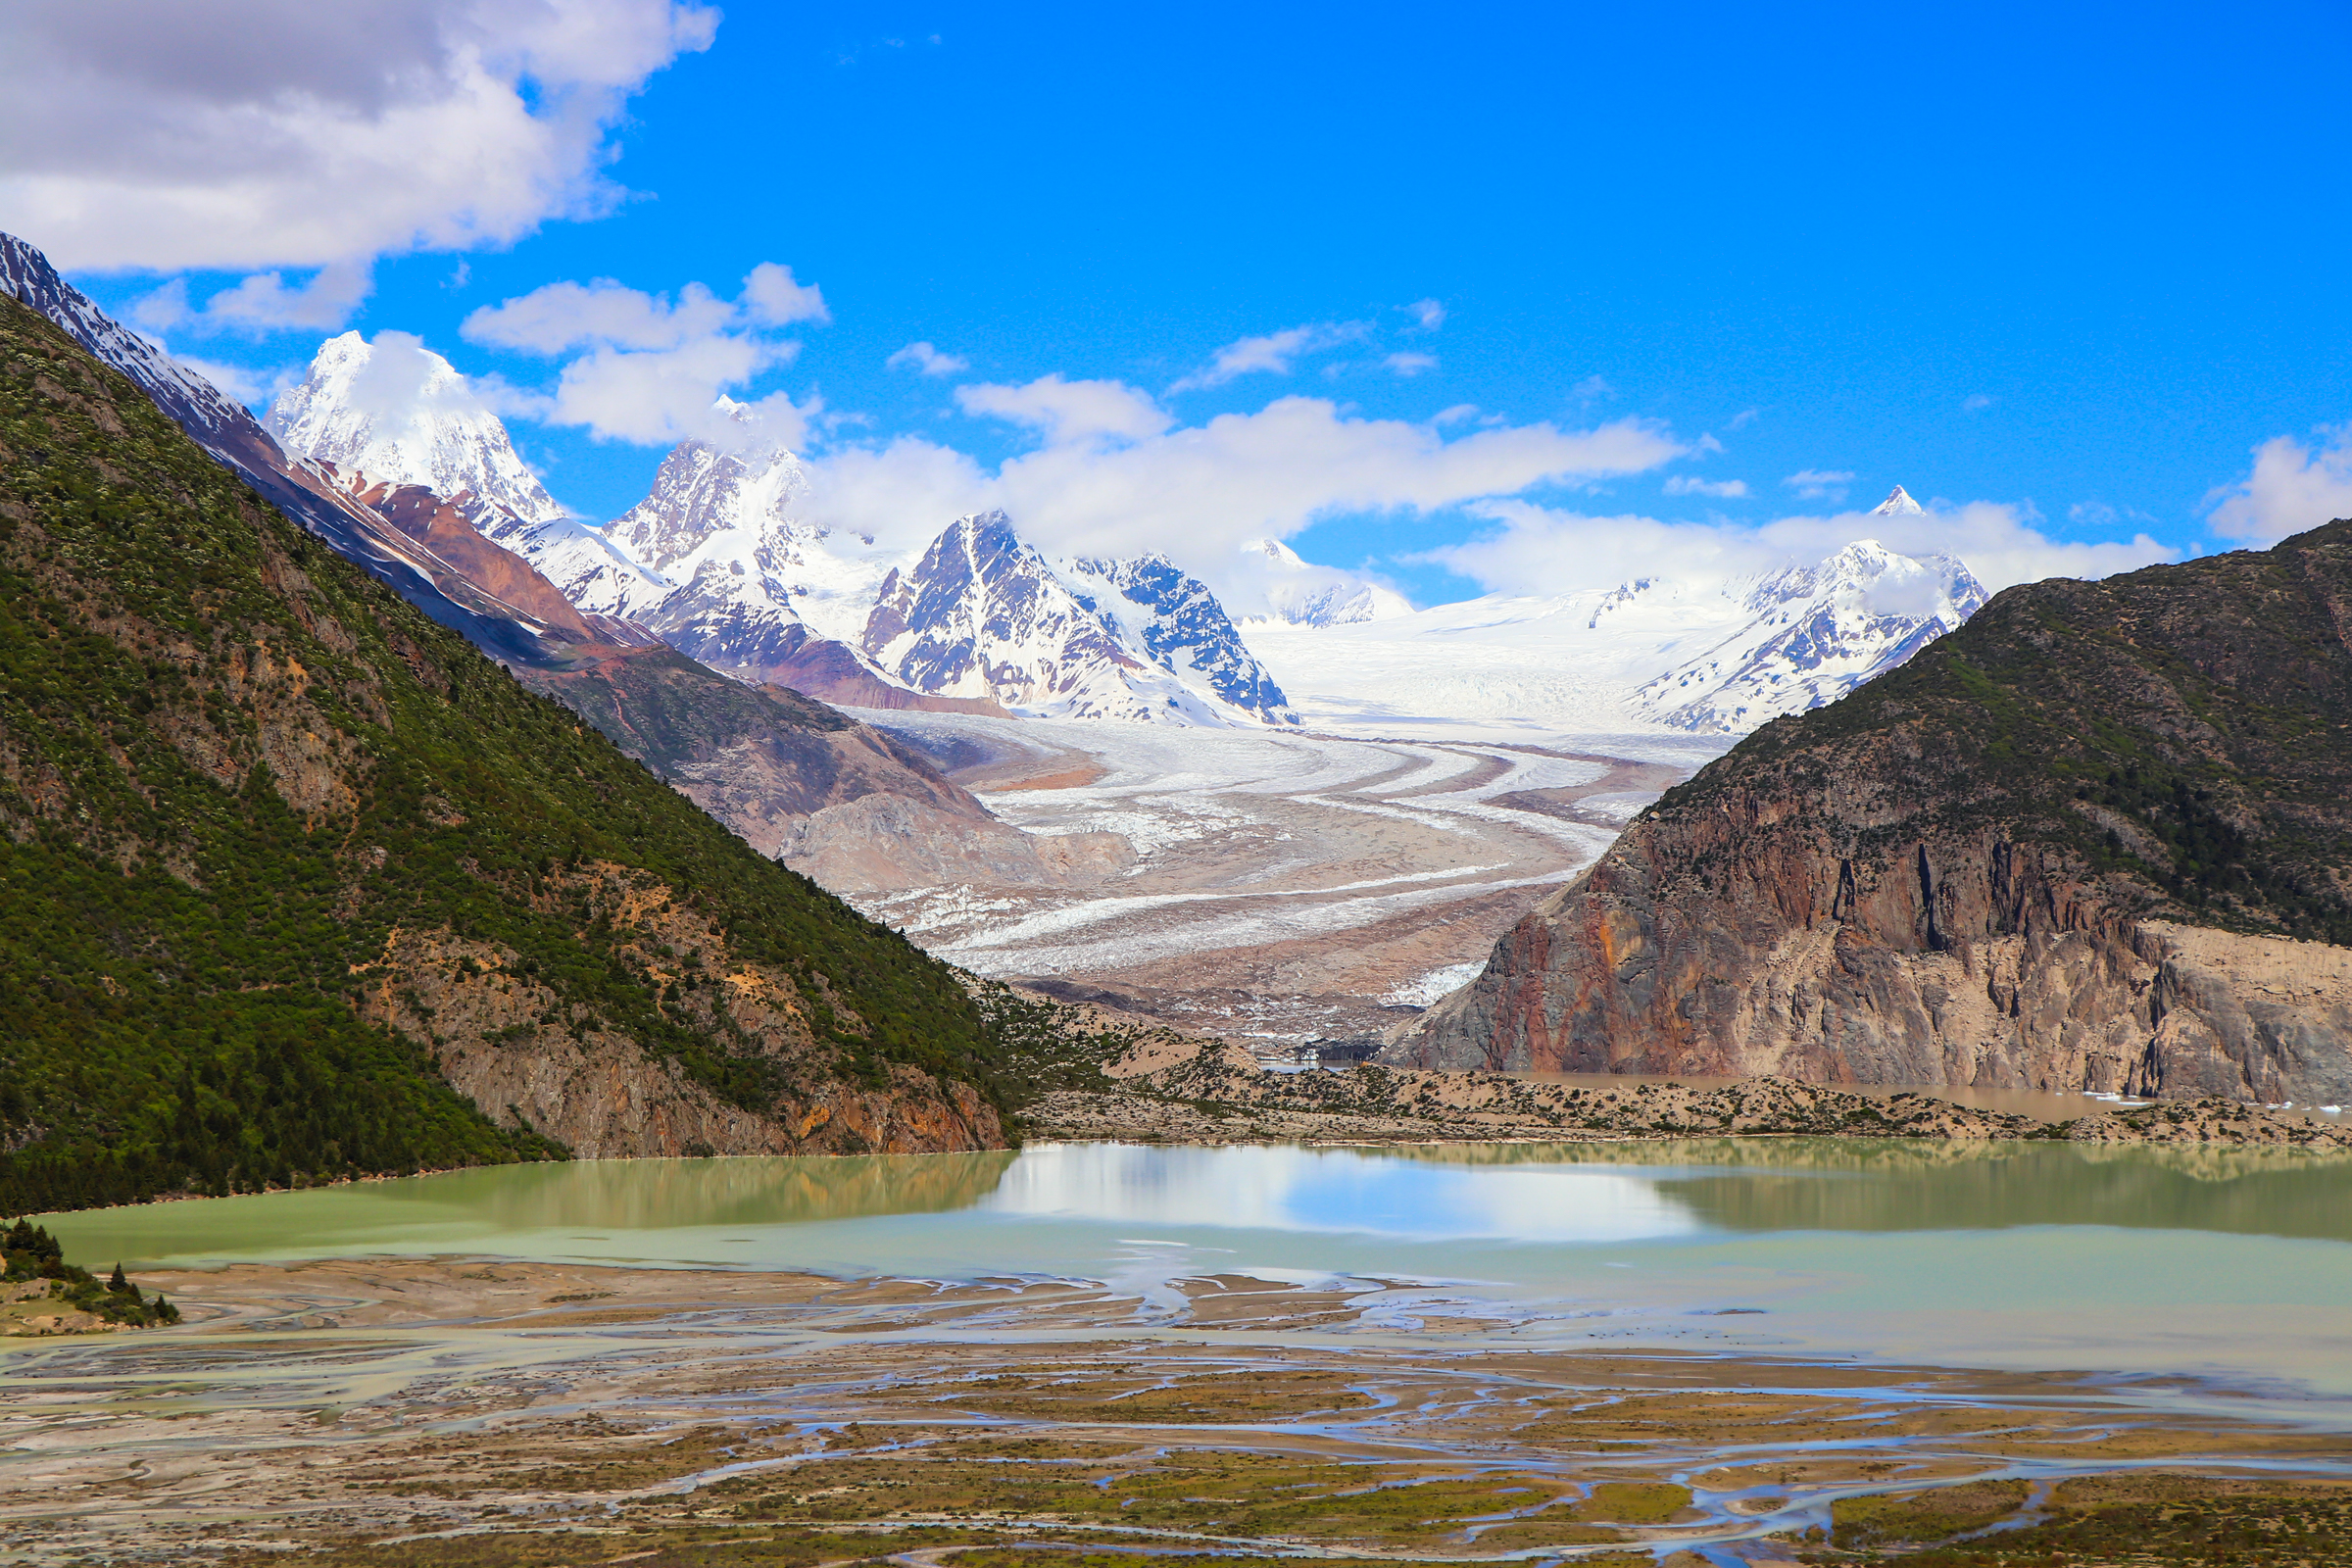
{"type": "Point", "coordinates": [1287, 886]}
{"type": "Point", "coordinates": [494, 1412]}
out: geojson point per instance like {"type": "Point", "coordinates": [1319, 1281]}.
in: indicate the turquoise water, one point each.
{"type": "Point", "coordinates": [2224, 1265]}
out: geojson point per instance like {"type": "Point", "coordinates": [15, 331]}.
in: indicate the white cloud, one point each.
{"type": "Point", "coordinates": [927, 360]}
{"type": "Point", "coordinates": [286, 134]}
{"type": "Point", "coordinates": [1564, 551]}
{"type": "Point", "coordinates": [1271, 353]}
{"type": "Point", "coordinates": [655, 369]}
{"type": "Point", "coordinates": [252, 388]}
{"type": "Point", "coordinates": [1684, 484]}
{"type": "Point", "coordinates": [772, 297]}
{"type": "Point", "coordinates": [1978, 401]}
{"type": "Point", "coordinates": [1067, 411]}
{"type": "Point", "coordinates": [1115, 475]}
{"type": "Point", "coordinates": [1591, 387]}
{"type": "Point", "coordinates": [561, 316]}
{"type": "Point", "coordinates": [1820, 484]}
{"type": "Point", "coordinates": [1743, 417]}
{"type": "Point", "coordinates": [1428, 315]}
{"type": "Point", "coordinates": [1410, 363]}
{"type": "Point", "coordinates": [2293, 487]}
{"type": "Point", "coordinates": [262, 302]}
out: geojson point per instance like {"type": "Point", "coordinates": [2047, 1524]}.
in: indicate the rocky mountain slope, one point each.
{"type": "Point", "coordinates": [300, 884]}
{"type": "Point", "coordinates": [2097, 837]}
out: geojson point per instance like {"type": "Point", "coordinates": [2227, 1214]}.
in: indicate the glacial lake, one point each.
{"type": "Point", "coordinates": [2217, 1270]}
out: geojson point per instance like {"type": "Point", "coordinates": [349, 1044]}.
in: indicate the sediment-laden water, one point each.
{"type": "Point", "coordinates": [2230, 1265]}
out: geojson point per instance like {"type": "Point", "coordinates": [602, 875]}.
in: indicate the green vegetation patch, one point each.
{"type": "Point", "coordinates": [1924, 1516]}
{"type": "Point", "coordinates": [232, 765]}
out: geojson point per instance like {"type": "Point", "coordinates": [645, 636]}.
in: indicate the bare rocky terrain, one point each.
{"type": "Point", "coordinates": [2095, 839]}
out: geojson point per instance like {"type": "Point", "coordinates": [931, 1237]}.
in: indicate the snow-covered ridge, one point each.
{"type": "Point", "coordinates": [1710, 659]}
{"type": "Point", "coordinates": [405, 416]}
{"type": "Point", "coordinates": [191, 401]}
{"type": "Point", "coordinates": [982, 614]}
{"type": "Point", "coordinates": [1812, 635]}
{"type": "Point", "coordinates": [1279, 588]}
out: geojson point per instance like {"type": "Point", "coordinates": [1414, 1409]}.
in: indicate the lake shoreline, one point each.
{"type": "Point", "coordinates": [1169, 1089]}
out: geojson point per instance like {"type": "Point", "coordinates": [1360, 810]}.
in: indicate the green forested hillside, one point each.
{"type": "Point", "coordinates": [231, 766]}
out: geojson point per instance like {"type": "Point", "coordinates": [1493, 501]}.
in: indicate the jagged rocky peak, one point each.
{"type": "Point", "coordinates": [1150, 600]}
{"type": "Point", "coordinates": [1813, 633]}
{"type": "Point", "coordinates": [756, 486]}
{"type": "Point", "coordinates": [398, 412]}
{"type": "Point", "coordinates": [1898, 503]}
{"type": "Point", "coordinates": [984, 615]}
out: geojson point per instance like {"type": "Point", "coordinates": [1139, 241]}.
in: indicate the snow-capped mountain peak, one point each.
{"type": "Point", "coordinates": [1280, 588]}
{"type": "Point", "coordinates": [400, 413]}
{"type": "Point", "coordinates": [983, 616]}
{"type": "Point", "coordinates": [1813, 633]}
{"type": "Point", "coordinates": [1898, 503]}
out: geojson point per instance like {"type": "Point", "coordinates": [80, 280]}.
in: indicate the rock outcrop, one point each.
{"type": "Point", "coordinates": [2096, 838]}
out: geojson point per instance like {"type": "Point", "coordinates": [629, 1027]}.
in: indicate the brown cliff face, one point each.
{"type": "Point", "coordinates": [2096, 838]}
{"type": "Point", "coordinates": [441, 527]}
{"type": "Point", "coordinates": [532, 1060]}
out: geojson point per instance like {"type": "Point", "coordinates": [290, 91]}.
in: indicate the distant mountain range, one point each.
{"type": "Point", "coordinates": [722, 562]}
{"type": "Point", "coordinates": [393, 457]}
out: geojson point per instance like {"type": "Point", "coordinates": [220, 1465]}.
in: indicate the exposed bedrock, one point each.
{"type": "Point", "coordinates": [1979, 963]}
{"type": "Point", "coordinates": [2099, 838]}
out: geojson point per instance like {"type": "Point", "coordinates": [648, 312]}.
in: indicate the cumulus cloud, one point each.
{"type": "Point", "coordinates": [2293, 487]}
{"type": "Point", "coordinates": [924, 360]}
{"type": "Point", "coordinates": [772, 297]}
{"type": "Point", "coordinates": [1410, 365]}
{"type": "Point", "coordinates": [156, 135]}
{"type": "Point", "coordinates": [1116, 473]}
{"type": "Point", "coordinates": [262, 302]}
{"type": "Point", "coordinates": [653, 369]}
{"type": "Point", "coordinates": [1684, 484]}
{"type": "Point", "coordinates": [1820, 484]}
{"type": "Point", "coordinates": [1567, 550]}
{"type": "Point", "coordinates": [1069, 411]}
{"type": "Point", "coordinates": [1272, 354]}
{"type": "Point", "coordinates": [1427, 314]}
{"type": "Point", "coordinates": [252, 388]}
{"type": "Point", "coordinates": [562, 316]}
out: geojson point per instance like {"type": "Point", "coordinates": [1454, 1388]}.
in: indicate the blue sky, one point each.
{"type": "Point", "coordinates": [2074, 265]}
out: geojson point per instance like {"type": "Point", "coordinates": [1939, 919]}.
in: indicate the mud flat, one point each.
{"type": "Point", "coordinates": [1284, 885]}
{"type": "Point", "coordinates": [480, 1412]}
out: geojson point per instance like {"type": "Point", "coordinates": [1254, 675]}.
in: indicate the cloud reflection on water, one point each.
{"type": "Point", "coordinates": [1336, 1191]}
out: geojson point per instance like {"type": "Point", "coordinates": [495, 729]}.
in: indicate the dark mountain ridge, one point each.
{"type": "Point", "coordinates": [2100, 837]}
{"type": "Point", "coordinates": [427, 548]}
{"type": "Point", "coordinates": [299, 885]}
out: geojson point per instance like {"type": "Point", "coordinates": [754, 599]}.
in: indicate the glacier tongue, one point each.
{"type": "Point", "coordinates": [403, 415]}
